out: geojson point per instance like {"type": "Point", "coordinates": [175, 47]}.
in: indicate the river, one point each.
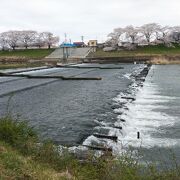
{"type": "Point", "coordinates": [70, 112]}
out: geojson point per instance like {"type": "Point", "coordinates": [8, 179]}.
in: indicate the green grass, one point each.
{"type": "Point", "coordinates": [16, 133]}
{"type": "Point", "coordinates": [14, 165]}
{"type": "Point", "coordinates": [27, 53]}
{"type": "Point", "coordinates": [157, 50]}
{"type": "Point", "coordinates": [20, 65]}
{"type": "Point", "coordinates": [23, 157]}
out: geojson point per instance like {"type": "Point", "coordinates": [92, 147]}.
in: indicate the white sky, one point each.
{"type": "Point", "coordinates": [90, 18]}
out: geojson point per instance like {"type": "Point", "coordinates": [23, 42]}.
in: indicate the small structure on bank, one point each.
{"type": "Point", "coordinates": [93, 44]}
{"type": "Point", "coordinates": [66, 47]}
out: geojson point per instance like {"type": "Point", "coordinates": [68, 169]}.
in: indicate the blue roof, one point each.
{"type": "Point", "coordinates": [67, 45]}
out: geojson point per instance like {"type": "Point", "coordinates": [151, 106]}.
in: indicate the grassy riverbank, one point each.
{"type": "Point", "coordinates": [26, 53]}
{"type": "Point", "coordinates": [20, 65]}
{"type": "Point", "coordinates": [26, 58]}
{"type": "Point", "coordinates": [158, 50]}
{"type": "Point", "coordinates": [23, 157]}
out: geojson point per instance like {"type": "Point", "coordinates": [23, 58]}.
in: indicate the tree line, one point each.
{"type": "Point", "coordinates": [27, 39]}
{"type": "Point", "coordinates": [146, 34]}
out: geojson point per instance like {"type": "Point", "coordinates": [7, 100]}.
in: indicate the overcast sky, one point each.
{"type": "Point", "coordinates": [90, 18]}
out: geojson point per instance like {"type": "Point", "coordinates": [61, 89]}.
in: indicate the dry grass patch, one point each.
{"type": "Point", "coordinates": [163, 61]}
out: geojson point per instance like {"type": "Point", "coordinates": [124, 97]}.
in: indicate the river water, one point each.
{"type": "Point", "coordinates": [65, 111]}
{"type": "Point", "coordinates": [70, 112]}
{"type": "Point", "coordinates": [156, 115]}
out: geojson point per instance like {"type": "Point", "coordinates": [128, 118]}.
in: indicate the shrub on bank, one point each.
{"type": "Point", "coordinates": [16, 133]}
{"type": "Point", "coordinates": [22, 156]}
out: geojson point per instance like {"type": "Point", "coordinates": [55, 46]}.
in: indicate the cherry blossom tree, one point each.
{"type": "Point", "coordinates": [163, 35]}
{"type": "Point", "coordinates": [28, 38]}
{"type": "Point", "coordinates": [174, 34]}
{"type": "Point", "coordinates": [39, 40]}
{"type": "Point", "coordinates": [115, 37]}
{"type": "Point", "coordinates": [12, 38]}
{"type": "Point", "coordinates": [49, 39]}
{"type": "Point", "coordinates": [143, 35]}
{"type": "Point", "coordinates": [148, 30]}
{"type": "Point", "coordinates": [3, 41]}
{"type": "Point", "coordinates": [131, 33]}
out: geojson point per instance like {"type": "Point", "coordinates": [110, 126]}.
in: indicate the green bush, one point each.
{"type": "Point", "coordinates": [23, 139]}
{"type": "Point", "coordinates": [48, 153]}
{"type": "Point", "coordinates": [17, 134]}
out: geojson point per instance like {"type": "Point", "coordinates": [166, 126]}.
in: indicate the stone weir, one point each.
{"type": "Point", "coordinates": [111, 141]}
{"type": "Point", "coordinates": [148, 59]}
{"type": "Point", "coordinates": [129, 59]}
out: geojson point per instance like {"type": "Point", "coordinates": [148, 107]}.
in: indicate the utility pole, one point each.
{"type": "Point", "coordinates": [82, 38]}
{"type": "Point", "coordinates": [65, 48]}
{"type": "Point", "coordinates": [65, 35]}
